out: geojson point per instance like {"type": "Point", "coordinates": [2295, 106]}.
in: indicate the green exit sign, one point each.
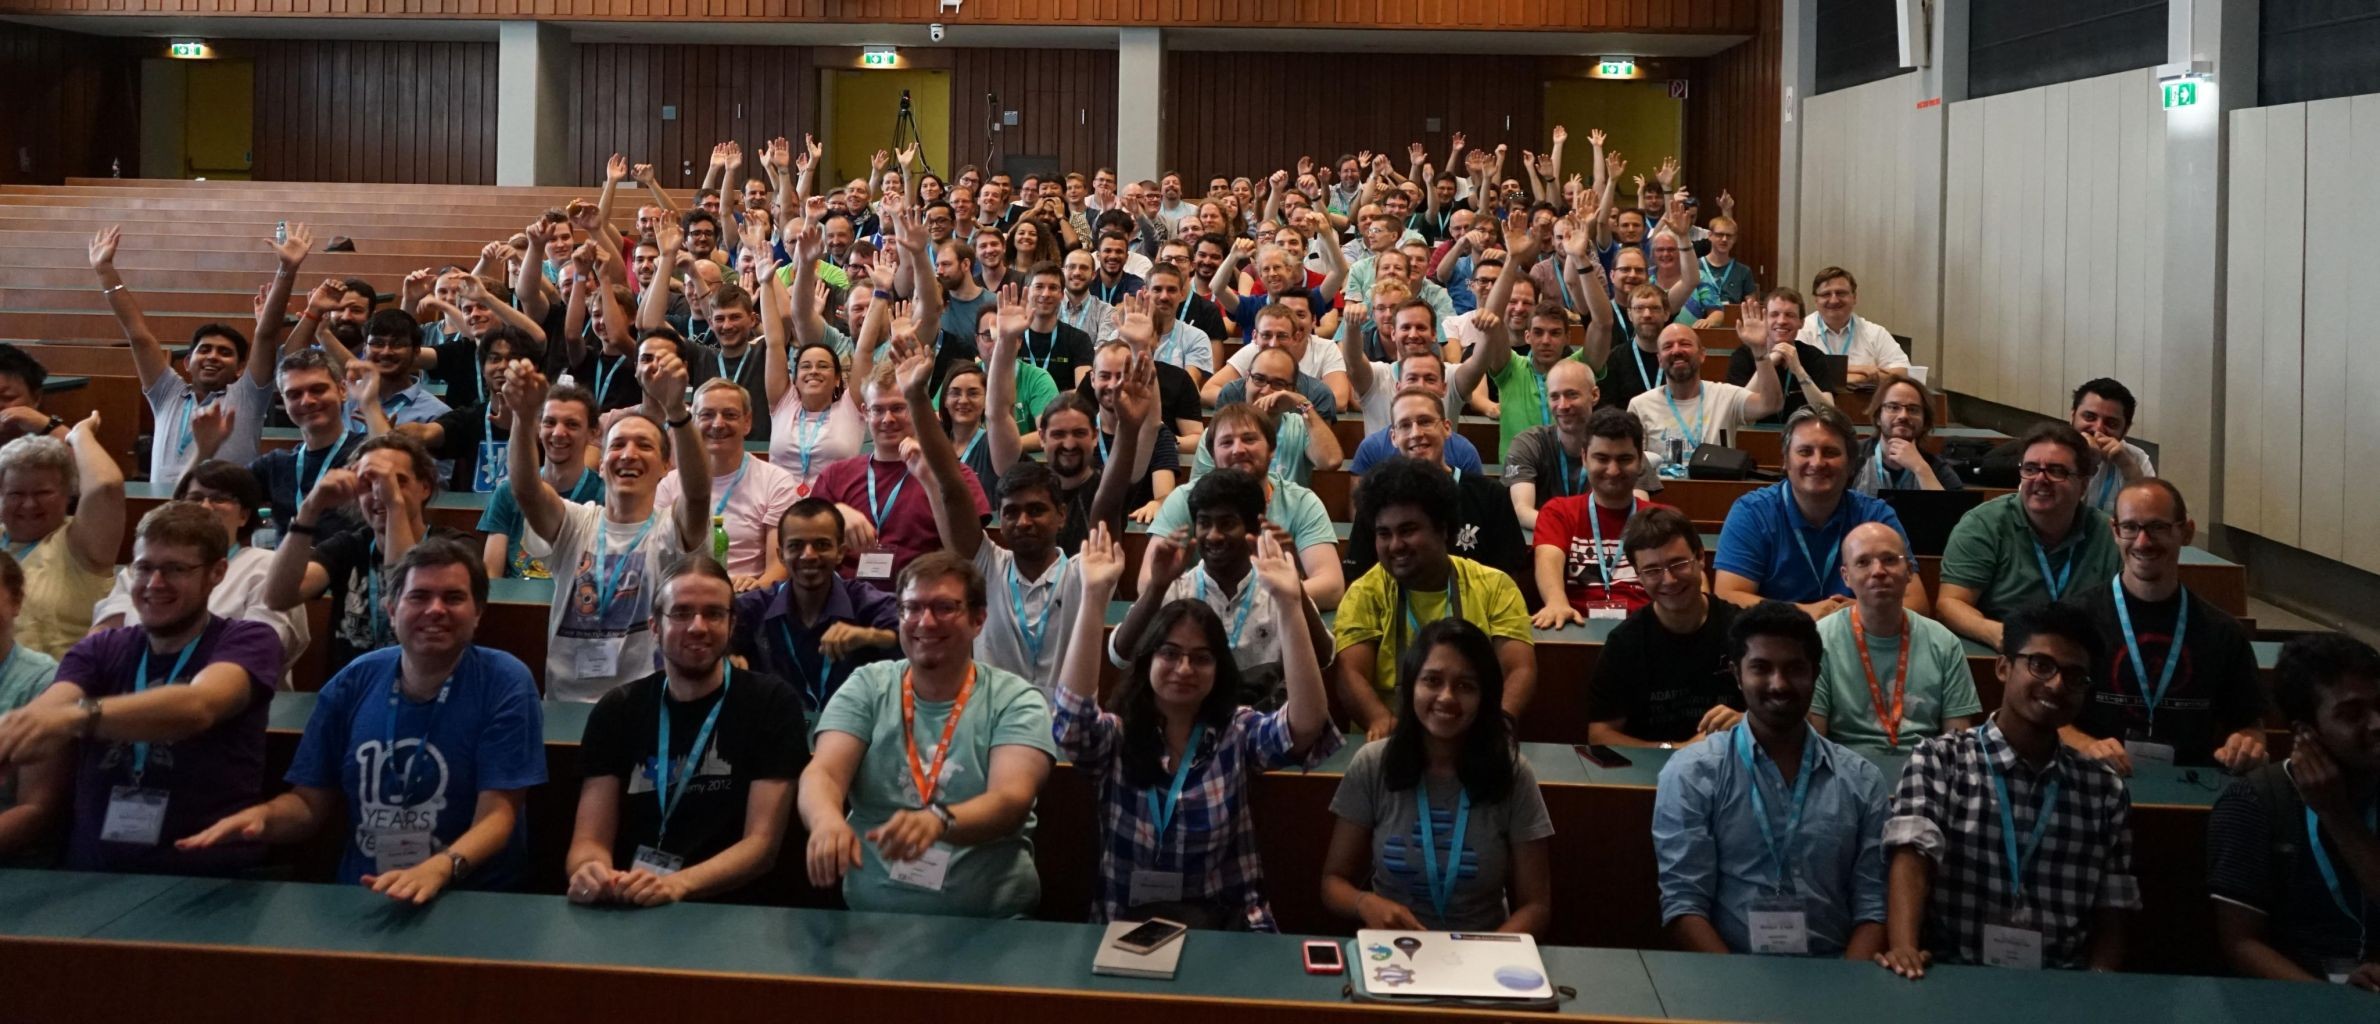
{"type": "Point", "coordinates": [883, 58]}
{"type": "Point", "coordinates": [2181, 92]}
{"type": "Point", "coordinates": [1616, 68]}
{"type": "Point", "coordinates": [189, 49]}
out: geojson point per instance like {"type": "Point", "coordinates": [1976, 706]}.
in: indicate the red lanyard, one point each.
{"type": "Point", "coordinates": [1892, 720]}
{"type": "Point", "coordinates": [930, 779]}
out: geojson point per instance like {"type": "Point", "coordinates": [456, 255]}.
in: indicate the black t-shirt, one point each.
{"type": "Point", "coordinates": [751, 372]}
{"type": "Point", "coordinates": [2258, 856]}
{"type": "Point", "coordinates": [1060, 352]}
{"type": "Point", "coordinates": [2214, 689]}
{"type": "Point", "coordinates": [611, 378]}
{"type": "Point", "coordinates": [1202, 313]}
{"type": "Point", "coordinates": [458, 369]}
{"type": "Point", "coordinates": [1623, 373]}
{"type": "Point", "coordinates": [1177, 395]}
{"type": "Point", "coordinates": [1657, 683]}
{"type": "Point", "coordinates": [1486, 530]}
{"type": "Point", "coordinates": [277, 471]}
{"type": "Point", "coordinates": [759, 736]}
{"type": "Point", "coordinates": [1167, 454]}
{"type": "Point", "coordinates": [470, 439]}
{"type": "Point", "coordinates": [348, 556]}
{"type": "Point", "coordinates": [1077, 501]}
{"type": "Point", "coordinates": [1743, 364]}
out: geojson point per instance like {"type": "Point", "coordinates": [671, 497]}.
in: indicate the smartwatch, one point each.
{"type": "Point", "coordinates": [949, 821]}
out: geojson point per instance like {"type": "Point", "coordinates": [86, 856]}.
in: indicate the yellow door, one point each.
{"type": "Point", "coordinates": [1643, 122]}
{"type": "Point", "coordinates": [867, 111]}
{"type": "Point", "coordinates": [218, 120]}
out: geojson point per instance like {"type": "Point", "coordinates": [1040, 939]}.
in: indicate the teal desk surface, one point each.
{"type": "Point", "coordinates": [710, 938]}
{"type": "Point", "coordinates": [53, 385]}
{"type": "Point", "coordinates": [162, 490]}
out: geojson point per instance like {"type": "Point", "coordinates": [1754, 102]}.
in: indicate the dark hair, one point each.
{"type": "Point", "coordinates": [2108, 388]}
{"type": "Point", "coordinates": [580, 395]}
{"type": "Point", "coordinates": [1617, 424]}
{"type": "Point", "coordinates": [188, 524]}
{"type": "Point", "coordinates": [394, 323]}
{"type": "Point", "coordinates": [1925, 397]}
{"type": "Point", "coordinates": [2053, 618]}
{"type": "Point", "coordinates": [1157, 270]}
{"type": "Point", "coordinates": [2315, 662]}
{"type": "Point", "coordinates": [1296, 291]}
{"type": "Point", "coordinates": [1775, 619]}
{"type": "Point", "coordinates": [812, 507]}
{"type": "Point", "coordinates": [1830, 274]}
{"type": "Point", "coordinates": [239, 342]}
{"type": "Point", "coordinates": [1046, 268]}
{"type": "Point", "coordinates": [1031, 475]}
{"type": "Point", "coordinates": [1403, 480]}
{"type": "Point", "coordinates": [359, 286]}
{"type": "Point", "coordinates": [517, 343]}
{"type": "Point", "coordinates": [430, 553]}
{"type": "Point", "coordinates": [1070, 401]}
{"type": "Point", "coordinates": [1485, 765]}
{"type": "Point", "coordinates": [698, 215]}
{"type": "Point", "coordinates": [936, 565]}
{"type": "Point", "coordinates": [2086, 458]}
{"type": "Point", "coordinates": [1135, 702]}
{"type": "Point", "coordinates": [1789, 295]}
{"type": "Point", "coordinates": [15, 363]}
{"type": "Point", "coordinates": [1827, 418]}
{"type": "Point", "coordinates": [1224, 489]}
{"type": "Point", "coordinates": [1655, 527]}
{"type": "Point", "coordinates": [1241, 411]}
{"type": "Point", "coordinates": [1638, 211]}
{"type": "Point", "coordinates": [228, 478]}
{"type": "Point", "coordinates": [407, 445]}
{"type": "Point", "coordinates": [697, 564]}
{"type": "Point", "coordinates": [730, 293]}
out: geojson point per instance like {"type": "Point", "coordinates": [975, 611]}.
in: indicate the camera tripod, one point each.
{"type": "Point", "coordinates": [905, 123]}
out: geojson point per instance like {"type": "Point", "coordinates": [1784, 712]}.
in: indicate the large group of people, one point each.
{"type": "Point", "coordinates": [854, 594]}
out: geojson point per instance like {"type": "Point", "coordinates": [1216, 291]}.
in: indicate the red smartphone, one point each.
{"type": "Point", "coordinates": [1323, 958]}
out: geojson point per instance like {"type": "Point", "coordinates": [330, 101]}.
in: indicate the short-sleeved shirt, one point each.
{"type": "Point", "coordinates": [1180, 344]}
{"type": "Point", "coordinates": [758, 736]}
{"type": "Point", "coordinates": [1720, 287]}
{"type": "Point", "coordinates": [1378, 611]}
{"type": "Point", "coordinates": [60, 592]}
{"type": "Point", "coordinates": [591, 555]}
{"type": "Point", "coordinates": [353, 561]}
{"type": "Point", "coordinates": [1520, 397]}
{"type": "Point", "coordinates": [1061, 353]}
{"type": "Point", "coordinates": [1939, 685]}
{"type": "Point", "coordinates": [1993, 552]}
{"type": "Point", "coordinates": [751, 498]}
{"type": "Point", "coordinates": [2214, 690]}
{"type": "Point", "coordinates": [477, 448]}
{"type": "Point", "coordinates": [804, 443]}
{"type": "Point", "coordinates": [994, 878]}
{"type": "Point", "coordinates": [1177, 395]}
{"type": "Point", "coordinates": [1378, 404]}
{"type": "Point", "coordinates": [708, 362]}
{"type": "Point", "coordinates": [1399, 867]}
{"type": "Point", "coordinates": [1460, 453]}
{"type": "Point", "coordinates": [1027, 621]}
{"type": "Point", "coordinates": [1252, 622]}
{"type": "Point", "coordinates": [173, 404]}
{"type": "Point", "coordinates": [1742, 364]}
{"type": "Point", "coordinates": [206, 776]}
{"type": "Point", "coordinates": [903, 519]}
{"type": "Point", "coordinates": [1767, 540]}
{"type": "Point", "coordinates": [1628, 371]}
{"type": "Point", "coordinates": [1486, 530]}
{"type": "Point", "coordinates": [1292, 507]}
{"type": "Point", "coordinates": [457, 365]}
{"type": "Point", "coordinates": [771, 637]}
{"type": "Point", "coordinates": [2260, 856]}
{"type": "Point", "coordinates": [1321, 359]}
{"type": "Point", "coordinates": [415, 404]}
{"type": "Point", "coordinates": [288, 474]}
{"type": "Point", "coordinates": [23, 675]}
{"type": "Point", "coordinates": [1864, 340]}
{"type": "Point", "coordinates": [2108, 481]}
{"type": "Point", "coordinates": [1594, 569]}
{"type": "Point", "coordinates": [1709, 417]}
{"type": "Point", "coordinates": [1659, 684]}
{"type": "Point", "coordinates": [424, 771]}
{"type": "Point", "coordinates": [504, 517]}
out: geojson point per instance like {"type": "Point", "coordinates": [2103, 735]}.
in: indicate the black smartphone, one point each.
{"type": "Point", "coordinates": [1602, 756]}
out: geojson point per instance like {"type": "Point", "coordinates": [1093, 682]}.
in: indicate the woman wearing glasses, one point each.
{"type": "Point", "coordinates": [233, 495]}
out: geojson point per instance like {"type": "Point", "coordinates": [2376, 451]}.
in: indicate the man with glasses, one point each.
{"type": "Point", "coordinates": [1838, 329]}
{"type": "Point", "coordinates": [1724, 281]}
{"type": "Point", "coordinates": [2179, 685]}
{"type": "Point", "coordinates": [939, 759]}
{"type": "Point", "coordinates": [1891, 677]}
{"type": "Point", "coordinates": [1303, 407]}
{"type": "Point", "coordinates": [2007, 848]}
{"type": "Point", "coordinates": [1895, 458]}
{"type": "Point", "coordinates": [2040, 544]}
{"type": "Point", "coordinates": [1663, 678]}
{"type": "Point", "coordinates": [391, 339]}
{"type": "Point", "coordinates": [1785, 542]}
{"type": "Point", "coordinates": [357, 522]}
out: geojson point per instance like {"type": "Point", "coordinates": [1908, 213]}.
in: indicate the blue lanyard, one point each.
{"type": "Point", "coordinates": [388, 734]}
{"type": "Point", "coordinates": [2330, 873]}
{"type": "Point", "coordinates": [1246, 600]}
{"type": "Point", "coordinates": [1817, 575]}
{"type": "Point", "coordinates": [721, 355]}
{"type": "Point", "coordinates": [1717, 276]}
{"type": "Point", "coordinates": [2109, 476]}
{"type": "Point", "coordinates": [189, 405]}
{"type": "Point", "coordinates": [1702, 415]}
{"type": "Point", "coordinates": [806, 440]}
{"type": "Point", "coordinates": [1454, 602]}
{"type": "Point", "coordinates": [734, 480]}
{"type": "Point", "coordinates": [2056, 585]}
{"type": "Point", "coordinates": [581, 493]}
{"type": "Point", "coordinates": [304, 485]}
{"type": "Point", "coordinates": [1033, 636]}
{"type": "Point", "coordinates": [671, 799]}
{"type": "Point", "coordinates": [981, 431]}
{"type": "Point", "coordinates": [2140, 666]}
{"type": "Point", "coordinates": [1162, 814]}
{"type": "Point", "coordinates": [140, 683]}
{"type": "Point", "coordinates": [2018, 859]}
{"type": "Point", "coordinates": [377, 617]}
{"type": "Point", "coordinates": [1889, 479]}
{"type": "Point", "coordinates": [19, 553]}
{"type": "Point", "coordinates": [1441, 882]}
{"type": "Point", "coordinates": [487, 454]}
{"type": "Point", "coordinates": [607, 583]}
{"type": "Point", "coordinates": [1645, 375]}
{"type": "Point", "coordinates": [605, 370]}
{"type": "Point", "coordinates": [1107, 292]}
{"type": "Point", "coordinates": [793, 656]}
{"type": "Point", "coordinates": [1051, 352]}
{"type": "Point", "coordinates": [1103, 460]}
{"type": "Point", "coordinates": [1603, 561]}
{"type": "Point", "coordinates": [1741, 740]}
{"type": "Point", "coordinates": [880, 509]}
{"type": "Point", "coordinates": [1826, 336]}
{"type": "Point", "coordinates": [1545, 408]}
{"type": "Point", "coordinates": [1568, 485]}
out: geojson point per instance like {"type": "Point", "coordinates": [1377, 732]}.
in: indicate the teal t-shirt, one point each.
{"type": "Point", "coordinates": [1939, 685]}
{"type": "Point", "coordinates": [992, 879]}
{"type": "Point", "coordinates": [1289, 455]}
{"type": "Point", "coordinates": [1993, 552]}
{"type": "Point", "coordinates": [23, 676]}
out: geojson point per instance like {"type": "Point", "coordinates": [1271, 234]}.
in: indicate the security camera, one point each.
{"type": "Point", "coordinates": [935, 31]}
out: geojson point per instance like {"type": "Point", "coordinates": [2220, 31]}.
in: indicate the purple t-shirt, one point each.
{"type": "Point", "coordinates": [906, 527]}
{"type": "Point", "coordinates": [208, 776]}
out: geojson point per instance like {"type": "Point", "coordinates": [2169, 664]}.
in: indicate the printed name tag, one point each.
{"type": "Point", "coordinates": [2006, 946]}
{"type": "Point", "coordinates": [656, 863]}
{"type": "Point", "coordinates": [876, 565]}
{"type": "Point", "coordinates": [1155, 887]}
{"type": "Point", "coordinates": [595, 659]}
{"type": "Point", "coordinates": [134, 815]}
{"type": "Point", "coordinates": [396, 851]}
{"type": "Point", "coordinates": [1606, 610]}
{"type": "Point", "coordinates": [1780, 926]}
{"type": "Point", "coordinates": [2143, 750]}
{"type": "Point", "coordinates": [926, 872]}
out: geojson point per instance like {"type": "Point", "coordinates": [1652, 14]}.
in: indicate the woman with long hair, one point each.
{"type": "Point", "coordinates": [1441, 826]}
{"type": "Point", "coordinates": [1032, 242]}
{"type": "Point", "coordinates": [1175, 753]}
{"type": "Point", "coordinates": [963, 419]}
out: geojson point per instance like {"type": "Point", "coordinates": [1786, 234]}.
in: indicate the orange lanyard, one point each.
{"type": "Point", "coordinates": [930, 779]}
{"type": "Point", "coordinates": [1892, 720]}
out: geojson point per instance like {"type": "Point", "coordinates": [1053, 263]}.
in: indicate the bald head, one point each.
{"type": "Point", "coordinates": [1876, 565]}
{"type": "Point", "coordinates": [1571, 372]}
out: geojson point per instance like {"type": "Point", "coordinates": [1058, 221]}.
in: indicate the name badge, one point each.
{"type": "Point", "coordinates": [2143, 750]}
{"type": "Point", "coordinates": [1155, 887]}
{"type": "Point", "coordinates": [656, 863]}
{"type": "Point", "coordinates": [1613, 610]}
{"type": "Point", "coordinates": [2011, 946]}
{"type": "Point", "coordinates": [134, 815]}
{"type": "Point", "coordinates": [598, 658]}
{"type": "Point", "coordinates": [1780, 926]}
{"type": "Point", "coordinates": [926, 872]}
{"type": "Point", "coordinates": [876, 565]}
{"type": "Point", "coordinates": [396, 851]}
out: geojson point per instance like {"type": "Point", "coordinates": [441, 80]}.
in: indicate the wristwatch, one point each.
{"type": "Point", "coordinates": [458, 864]}
{"type": "Point", "coordinates": [949, 821]}
{"type": "Point", "coordinates": [89, 706]}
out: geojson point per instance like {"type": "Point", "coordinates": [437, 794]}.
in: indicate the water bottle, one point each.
{"type": "Point", "coordinates": [719, 538]}
{"type": "Point", "coordinates": [265, 537]}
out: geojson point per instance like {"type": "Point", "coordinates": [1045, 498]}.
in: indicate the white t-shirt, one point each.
{"type": "Point", "coordinates": [171, 450]}
{"type": "Point", "coordinates": [1257, 640]}
{"type": "Point", "coordinates": [239, 596]}
{"type": "Point", "coordinates": [1703, 419]}
{"type": "Point", "coordinates": [1869, 343]}
{"type": "Point", "coordinates": [751, 505]}
{"type": "Point", "coordinates": [1378, 399]}
{"type": "Point", "coordinates": [1321, 357]}
{"type": "Point", "coordinates": [828, 437]}
{"type": "Point", "coordinates": [1048, 608]}
{"type": "Point", "coordinates": [1183, 345]}
{"type": "Point", "coordinates": [2101, 492]}
{"type": "Point", "coordinates": [595, 647]}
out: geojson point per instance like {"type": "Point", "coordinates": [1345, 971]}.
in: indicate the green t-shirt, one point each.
{"type": "Point", "coordinates": [1519, 393]}
{"type": "Point", "coordinates": [1993, 552]}
{"type": "Point", "coordinates": [1371, 613]}
{"type": "Point", "coordinates": [1292, 506]}
{"type": "Point", "coordinates": [1939, 686]}
{"type": "Point", "coordinates": [1035, 390]}
{"type": "Point", "coordinates": [991, 879]}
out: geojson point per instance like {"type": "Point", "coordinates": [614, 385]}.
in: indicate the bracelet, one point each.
{"type": "Point", "coordinates": [112, 289]}
{"type": "Point", "coordinates": [295, 528]}
{"type": "Point", "coordinates": [681, 421]}
{"type": "Point", "coordinates": [310, 316]}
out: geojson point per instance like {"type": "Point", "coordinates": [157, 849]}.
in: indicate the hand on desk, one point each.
{"type": "Point", "coordinates": [1908, 963]}
{"type": "Point", "coordinates": [834, 849]}
{"type": "Point", "coordinates": [2366, 977]}
{"type": "Point", "coordinates": [1381, 912]}
{"type": "Point", "coordinates": [1556, 616]}
{"type": "Point", "coordinates": [417, 885]}
{"type": "Point", "coordinates": [1379, 730]}
{"type": "Point", "coordinates": [595, 882]}
{"type": "Point", "coordinates": [247, 826]}
{"type": "Point", "coordinates": [2109, 752]}
{"type": "Point", "coordinates": [646, 889]}
{"type": "Point", "coordinates": [2243, 752]}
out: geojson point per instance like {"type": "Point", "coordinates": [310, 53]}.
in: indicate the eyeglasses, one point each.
{"type": "Point", "coordinates": [170, 570]}
{"type": "Point", "coordinates": [1888, 560]}
{"type": "Point", "coordinates": [682, 615]}
{"type": "Point", "coordinates": [912, 611]}
{"type": "Point", "coordinates": [1901, 408]}
{"type": "Point", "coordinates": [1270, 383]}
{"type": "Point", "coordinates": [1683, 568]}
{"type": "Point", "coordinates": [2044, 667]}
{"type": "Point", "coordinates": [2131, 529]}
{"type": "Point", "coordinates": [1173, 655]}
{"type": "Point", "coordinates": [2056, 473]}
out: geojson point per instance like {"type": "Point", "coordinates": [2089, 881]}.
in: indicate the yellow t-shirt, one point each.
{"type": "Point", "coordinates": [59, 594]}
{"type": "Point", "coordinates": [1371, 613]}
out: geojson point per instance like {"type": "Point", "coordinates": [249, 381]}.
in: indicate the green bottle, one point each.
{"type": "Point", "coordinates": [719, 538]}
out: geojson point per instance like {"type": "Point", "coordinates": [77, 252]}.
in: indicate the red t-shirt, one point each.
{"type": "Point", "coordinates": [906, 526]}
{"type": "Point", "coordinates": [1562, 523]}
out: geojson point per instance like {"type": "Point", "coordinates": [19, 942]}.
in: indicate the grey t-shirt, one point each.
{"type": "Point", "coordinates": [1398, 866]}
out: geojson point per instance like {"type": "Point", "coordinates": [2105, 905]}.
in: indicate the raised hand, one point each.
{"type": "Point", "coordinates": [1170, 556]}
{"type": "Point", "coordinates": [1277, 567]}
{"type": "Point", "coordinates": [1133, 323]}
{"type": "Point", "coordinates": [1459, 142]}
{"type": "Point", "coordinates": [1014, 316]}
{"type": "Point", "coordinates": [537, 234]}
{"type": "Point", "coordinates": [1305, 166]}
{"type": "Point", "coordinates": [1520, 244]}
{"type": "Point", "coordinates": [1562, 135]}
{"type": "Point", "coordinates": [615, 169]}
{"type": "Point", "coordinates": [524, 389]}
{"type": "Point", "coordinates": [915, 372]}
{"type": "Point", "coordinates": [292, 249]}
{"type": "Point", "coordinates": [878, 160]}
{"type": "Point", "coordinates": [325, 297]}
{"type": "Point", "coordinates": [670, 234]}
{"type": "Point", "coordinates": [584, 215]}
{"type": "Point", "coordinates": [210, 425]}
{"type": "Point", "coordinates": [1416, 152]}
{"type": "Point", "coordinates": [103, 247]}
{"type": "Point", "coordinates": [1615, 164]}
{"type": "Point", "coordinates": [337, 489]}
{"type": "Point", "coordinates": [1136, 397]}
{"type": "Point", "coordinates": [907, 156]}
{"type": "Point", "coordinates": [1667, 175]}
{"type": "Point", "coordinates": [664, 381]}
{"type": "Point", "coordinates": [735, 154]}
{"type": "Point", "coordinates": [1726, 204]}
{"type": "Point", "coordinates": [719, 155]}
{"type": "Point", "coordinates": [1102, 564]}
{"type": "Point", "coordinates": [643, 173]}
{"type": "Point", "coordinates": [1595, 137]}
{"type": "Point", "coordinates": [363, 384]}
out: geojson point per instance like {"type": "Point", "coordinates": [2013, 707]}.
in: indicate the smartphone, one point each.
{"type": "Point", "coordinates": [280, 232]}
{"type": "Point", "coordinates": [1322, 957]}
{"type": "Point", "coordinates": [1152, 934]}
{"type": "Point", "coordinates": [1602, 756]}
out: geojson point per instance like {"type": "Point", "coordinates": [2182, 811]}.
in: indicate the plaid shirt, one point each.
{"type": "Point", "coordinates": [1946, 808]}
{"type": "Point", "coordinates": [1212, 843]}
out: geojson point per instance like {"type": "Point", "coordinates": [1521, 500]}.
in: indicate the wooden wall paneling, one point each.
{"type": "Point", "coordinates": [1733, 129]}
{"type": "Point", "coordinates": [2284, 318]}
{"type": "Point", "coordinates": [75, 105]}
{"type": "Point", "coordinates": [2331, 256]}
{"type": "Point", "coordinates": [402, 112]}
{"type": "Point", "coordinates": [2350, 460]}
{"type": "Point", "coordinates": [2243, 334]}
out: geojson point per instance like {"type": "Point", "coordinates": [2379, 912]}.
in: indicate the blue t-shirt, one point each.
{"type": "Point", "coordinates": [488, 734]}
{"type": "Point", "coordinates": [504, 516]}
{"type": "Point", "coordinates": [1460, 453]}
{"type": "Point", "coordinates": [1758, 543]}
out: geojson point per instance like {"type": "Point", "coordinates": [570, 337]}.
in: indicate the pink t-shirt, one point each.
{"type": "Point", "coordinates": [905, 524]}
{"type": "Point", "coordinates": [751, 505]}
{"type": "Point", "coordinates": [828, 437]}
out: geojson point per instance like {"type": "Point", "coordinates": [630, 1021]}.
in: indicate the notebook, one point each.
{"type": "Point", "coordinates": [1118, 962]}
{"type": "Point", "coordinates": [1450, 965]}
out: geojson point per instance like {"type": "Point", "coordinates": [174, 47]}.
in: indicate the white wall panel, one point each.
{"type": "Point", "coordinates": [2351, 457]}
{"type": "Point", "coordinates": [2281, 369]}
{"type": "Point", "coordinates": [1963, 356]}
{"type": "Point", "coordinates": [2332, 259]}
{"type": "Point", "coordinates": [2243, 326]}
{"type": "Point", "coordinates": [1871, 180]}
